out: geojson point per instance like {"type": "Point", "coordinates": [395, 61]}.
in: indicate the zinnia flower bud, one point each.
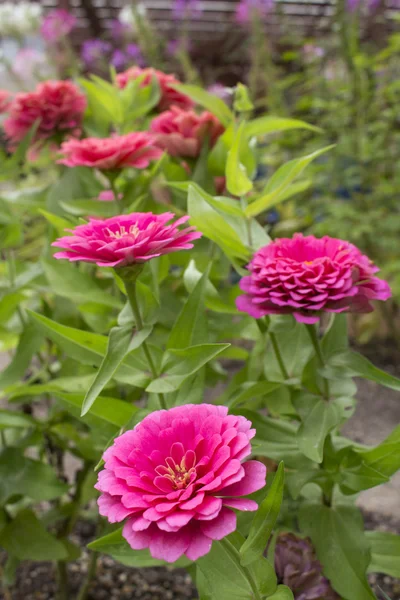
{"type": "Point", "coordinates": [306, 276]}
{"type": "Point", "coordinates": [169, 96]}
{"type": "Point", "coordinates": [297, 566]}
{"type": "Point", "coordinates": [176, 477]}
{"type": "Point", "coordinates": [183, 132]}
{"type": "Point", "coordinates": [108, 154]}
{"type": "Point", "coordinates": [57, 106]}
{"type": "Point", "coordinates": [126, 240]}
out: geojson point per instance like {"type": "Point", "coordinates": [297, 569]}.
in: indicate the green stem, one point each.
{"type": "Point", "coordinates": [230, 548]}
{"type": "Point", "coordinates": [114, 190]}
{"type": "Point", "coordinates": [62, 580]}
{"type": "Point", "coordinates": [313, 333]}
{"type": "Point", "coordinates": [91, 572]}
{"type": "Point", "coordinates": [130, 287]}
{"type": "Point", "coordinates": [243, 204]}
{"type": "Point", "coordinates": [264, 329]}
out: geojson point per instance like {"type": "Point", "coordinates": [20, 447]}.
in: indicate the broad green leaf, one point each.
{"type": "Point", "coordinates": [320, 419]}
{"type": "Point", "coordinates": [21, 475]}
{"type": "Point", "coordinates": [9, 304]}
{"type": "Point", "coordinates": [90, 348]}
{"type": "Point", "coordinates": [114, 411]}
{"type": "Point", "coordinates": [190, 326]}
{"type": "Point", "coordinates": [117, 547]}
{"type": "Point", "coordinates": [121, 341]}
{"type": "Point", "coordinates": [385, 551]}
{"type": "Point", "coordinates": [294, 345]}
{"type": "Point", "coordinates": [357, 365]}
{"type": "Point", "coordinates": [336, 338]}
{"type": "Point", "coordinates": [27, 539]}
{"type": "Point", "coordinates": [237, 180]}
{"type": "Point", "coordinates": [94, 208]}
{"type": "Point", "coordinates": [59, 223]}
{"type": "Point", "coordinates": [282, 593]}
{"type": "Point", "coordinates": [214, 226]}
{"type": "Point", "coordinates": [69, 281]}
{"type": "Point", "coordinates": [209, 101]}
{"type": "Point", "coordinates": [225, 206]}
{"type": "Point", "coordinates": [178, 365]}
{"type": "Point", "coordinates": [250, 390]}
{"type": "Point", "coordinates": [276, 439]}
{"type": "Point", "coordinates": [264, 521]}
{"type": "Point", "coordinates": [265, 125]}
{"type": "Point", "coordinates": [280, 180]}
{"type": "Point", "coordinates": [291, 190]}
{"type": "Point", "coordinates": [29, 343]}
{"type": "Point", "coordinates": [342, 547]}
{"type": "Point", "coordinates": [74, 184]}
{"type": "Point", "coordinates": [10, 418]}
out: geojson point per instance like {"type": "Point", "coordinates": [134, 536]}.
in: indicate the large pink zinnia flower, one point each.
{"type": "Point", "coordinates": [183, 132]}
{"type": "Point", "coordinates": [306, 276]}
{"type": "Point", "coordinates": [58, 106]}
{"type": "Point", "coordinates": [169, 96]}
{"type": "Point", "coordinates": [126, 240]}
{"type": "Point", "coordinates": [135, 149]}
{"type": "Point", "coordinates": [176, 477]}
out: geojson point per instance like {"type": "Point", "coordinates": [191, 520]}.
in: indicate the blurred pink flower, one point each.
{"type": "Point", "coordinates": [5, 100]}
{"type": "Point", "coordinates": [306, 276]}
{"type": "Point", "coordinates": [58, 106]}
{"type": "Point", "coordinates": [136, 149]}
{"type": "Point", "coordinates": [107, 196]}
{"type": "Point", "coordinates": [183, 132]}
{"type": "Point", "coordinates": [126, 240]}
{"type": "Point", "coordinates": [247, 10]}
{"type": "Point", "coordinates": [169, 96]}
{"type": "Point", "coordinates": [57, 24]}
{"type": "Point", "coordinates": [176, 478]}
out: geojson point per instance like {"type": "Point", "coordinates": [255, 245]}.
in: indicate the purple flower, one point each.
{"type": "Point", "coordinates": [187, 9]}
{"type": "Point", "coordinates": [352, 5]}
{"type": "Point", "coordinates": [118, 29]}
{"type": "Point", "coordinates": [94, 52]}
{"type": "Point", "coordinates": [119, 59]}
{"type": "Point", "coordinates": [221, 91]}
{"type": "Point", "coordinates": [312, 52]}
{"type": "Point", "coordinates": [57, 24]}
{"type": "Point", "coordinates": [134, 53]}
{"type": "Point", "coordinates": [247, 9]}
{"type": "Point", "coordinates": [175, 46]}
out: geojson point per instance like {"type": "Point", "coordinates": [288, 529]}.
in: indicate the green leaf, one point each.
{"type": "Point", "coordinates": [10, 418]}
{"type": "Point", "coordinates": [114, 411]}
{"type": "Point", "coordinates": [190, 326]}
{"type": "Point", "coordinates": [214, 226]}
{"type": "Point", "coordinates": [209, 101]}
{"type": "Point", "coordinates": [69, 281]}
{"type": "Point", "coordinates": [83, 208]}
{"type": "Point", "coordinates": [27, 539]}
{"type": "Point", "coordinates": [29, 343]}
{"type": "Point", "coordinates": [21, 475]}
{"type": "Point", "coordinates": [280, 180]}
{"type": "Point", "coordinates": [342, 547]}
{"type": "Point", "coordinates": [265, 125]}
{"type": "Point", "coordinates": [59, 223]}
{"type": "Point", "coordinates": [117, 547]}
{"type": "Point", "coordinates": [264, 520]}
{"type": "Point", "coordinates": [336, 338]}
{"type": "Point", "coordinates": [282, 593]}
{"type": "Point", "coordinates": [320, 419]}
{"type": "Point", "coordinates": [237, 180]}
{"type": "Point", "coordinates": [121, 341]}
{"type": "Point", "coordinates": [291, 190]}
{"type": "Point", "coordinates": [178, 365]}
{"type": "Point", "coordinates": [385, 551]}
{"type": "Point", "coordinates": [357, 365]}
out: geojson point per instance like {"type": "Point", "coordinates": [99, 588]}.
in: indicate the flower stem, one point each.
{"type": "Point", "coordinates": [230, 548]}
{"type": "Point", "coordinates": [313, 333]}
{"type": "Point", "coordinates": [278, 355]}
{"type": "Point", "coordinates": [62, 580]}
{"type": "Point", "coordinates": [130, 287]}
{"type": "Point", "coordinates": [91, 572]}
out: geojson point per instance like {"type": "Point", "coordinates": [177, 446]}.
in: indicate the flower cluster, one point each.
{"type": "Point", "coordinates": [169, 95]}
{"type": "Point", "coordinates": [297, 566]}
{"type": "Point", "coordinates": [126, 240]}
{"type": "Point", "coordinates": [109, 154]}
{"type": "Point", "coordinates": [176, 477]}
{"type": "Point", "coordinates": [306, 276]}
{"type": "Point", "coordinates": [183, 132]}
{"type": "Point", "coordinates": [247, 10]}
{"type": "Point", "coordinates": [57, 107]}
{"type": "Point", "coordinates": [57, 24]}
{"type": "Point", "coordinates": [19, 19]}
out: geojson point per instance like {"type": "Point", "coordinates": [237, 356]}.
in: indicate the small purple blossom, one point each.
{"type": "Point", "coordinates": [247, 9]}
{"type": "Point", "coordinates": [187, 9]}
{"type": "Point", "coordinates": [94, 52]}
{"type": "Point", "coordinates": [119, 30]}
{"type": "Point", "coordinates": [312, 52]}
{"type": "Point", "coordinates": [119, 59]}
{"type": "Point", "coordinates": [57, 24]}
{"type": "Point", "coordinates": [134, 53]}
{"type": "Point", "coordinates": [175, 46]}
{"type": "Point", "coordinates": [221, 91]}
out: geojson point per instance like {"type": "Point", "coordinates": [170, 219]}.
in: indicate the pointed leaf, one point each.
{"type": "Point", "coordinates": [237, 180]}
{"type": "Point", "coordinates": [29, 343]}
{"type": "Point", "coordinates": [385, 550]}
{"type": "Point", "coordinates": [265, 125]}
{"type": "Point", "coordinates": [321, 418]}
{"type": "Point", "coordinates": [209, 101]}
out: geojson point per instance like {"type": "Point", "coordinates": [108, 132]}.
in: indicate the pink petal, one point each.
{"type": "Point", "coordinates": [254, 479]}
{"type": "Point", "coordinates": [220, 527]}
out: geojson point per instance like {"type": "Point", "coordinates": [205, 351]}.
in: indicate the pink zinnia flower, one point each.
{"type": "Point", "coordinates": [57, 24]}
{"type": "Point", "coordinates": [306, 276]}
{"type": "Point", "coordinates": [5, 100]}
{"type": "Point", "coordinates": [57, 105]}
{"type": "Point", "coordinates": [108, 196]}
{"type": "Point", "coordinates": [126, 240]}
{"type": "Point", "coordinates": [169, 96]}
{"type": "Point", "coordinates": [135, 149]}
{"type": "Point", "coordinates": [183, 132]}
{"type": "Point", "coordinates": [176, 477]}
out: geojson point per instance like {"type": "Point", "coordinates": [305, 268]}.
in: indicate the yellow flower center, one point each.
{"type": "Point", "coordinates": [122, 232]}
